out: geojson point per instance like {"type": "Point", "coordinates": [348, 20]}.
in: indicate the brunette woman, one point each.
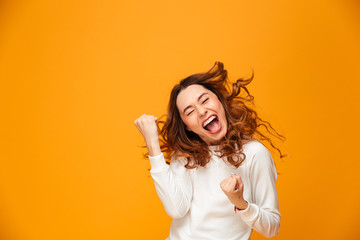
{"type": "Point", "coordinates": [219, 182]}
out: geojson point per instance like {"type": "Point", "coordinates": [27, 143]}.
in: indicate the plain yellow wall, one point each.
{"type": "Point", "coordinates": [76, 74]}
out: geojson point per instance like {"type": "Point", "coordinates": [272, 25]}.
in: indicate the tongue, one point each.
{"type": "Point", "coordinates": [213, 126]}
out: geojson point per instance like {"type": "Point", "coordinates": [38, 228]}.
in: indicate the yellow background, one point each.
{"type": "Point", "coordinates": [76, 74]}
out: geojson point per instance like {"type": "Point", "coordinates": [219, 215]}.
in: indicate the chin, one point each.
{"type": "Point", "coordinates": [216, 141]}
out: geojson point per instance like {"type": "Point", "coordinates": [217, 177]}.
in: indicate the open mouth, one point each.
{"type": "Point", "coordinates": [212, 124]}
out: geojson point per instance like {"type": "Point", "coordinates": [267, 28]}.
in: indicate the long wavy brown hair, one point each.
{"type": "Point", "coordinates": [243, 121]}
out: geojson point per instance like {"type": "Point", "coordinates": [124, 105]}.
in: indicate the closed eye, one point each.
{"type": "Point", "coordinates": [205, 100]}
{"type": "Point", "coordinates": [189, 113]}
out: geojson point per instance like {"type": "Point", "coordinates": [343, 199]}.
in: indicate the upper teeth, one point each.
{"type": "Point", "coordinates": [209, 120]}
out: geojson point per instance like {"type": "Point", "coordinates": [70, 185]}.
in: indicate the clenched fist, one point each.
{"type": "Point", "coordinates": [146, 124]}
{"type": "Point", "coordinates": [233, 188]}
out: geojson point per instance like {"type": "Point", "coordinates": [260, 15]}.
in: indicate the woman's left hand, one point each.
{"type": "Point", "coordinates": [233, 188]}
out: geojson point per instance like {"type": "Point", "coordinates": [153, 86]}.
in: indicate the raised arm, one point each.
{"type": "Point", "coordinates": [172, 183]}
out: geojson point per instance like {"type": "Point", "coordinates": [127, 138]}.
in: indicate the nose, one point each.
{"type": "Point", "coordinates": [202, 111]}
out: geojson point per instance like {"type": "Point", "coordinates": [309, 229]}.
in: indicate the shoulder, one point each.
{"type": "Point", "coordinates": [259, 160]}
{"type": "Point", "coordinates": [253, 147]}
{"type": "Point", "coordinates": [255, 151]}
{"type": "Point", "coordinates": [178, 161]}
{"type": "Point", "coordinates": [177, 166]}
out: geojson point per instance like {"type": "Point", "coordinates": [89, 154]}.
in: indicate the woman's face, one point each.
{"type": "Point", "coordinates": [202, 112]}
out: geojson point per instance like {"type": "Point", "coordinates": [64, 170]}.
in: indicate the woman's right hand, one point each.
{"type": "Point", "coordinates": [146, 124]}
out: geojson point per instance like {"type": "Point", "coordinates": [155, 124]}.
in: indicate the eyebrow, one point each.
{"type": "Point", "coordinates": [197, 100]}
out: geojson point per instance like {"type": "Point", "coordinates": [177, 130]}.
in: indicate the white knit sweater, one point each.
{"type": "Point", "coordinates": [200, 209]}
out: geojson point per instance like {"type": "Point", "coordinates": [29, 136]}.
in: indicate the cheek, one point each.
{"type": "Point", "coordinates": [186, 121]}
{"type": "Point", "coordinates": [192, 123]}
{"type": "Point", "coordinates": [220, 107]}
{"type": "Point", "coordinates": [222, 112]}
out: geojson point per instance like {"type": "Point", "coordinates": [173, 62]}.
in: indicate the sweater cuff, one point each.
{"type": "Point", "coordinates": [249, 213]}
{"type": "Point", "coordinates": [157, 163]}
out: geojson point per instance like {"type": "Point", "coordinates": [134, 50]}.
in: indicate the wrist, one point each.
{"type": "Point", "coordinates": [241, 205]}
{"type": "Point", "coordinates": [153, 148]}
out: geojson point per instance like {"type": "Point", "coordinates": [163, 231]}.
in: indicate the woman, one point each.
{"type": "Point", "coordinates": [221, 181]}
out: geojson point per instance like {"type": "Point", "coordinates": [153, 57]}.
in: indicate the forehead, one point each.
{"type": "Point", "coordinates": [190, 95]}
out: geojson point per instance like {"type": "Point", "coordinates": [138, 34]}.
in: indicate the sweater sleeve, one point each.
{"type": "Point", "coordinates": [173, 185]}
{"type": "Point", "coordinates": [262, 213]}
